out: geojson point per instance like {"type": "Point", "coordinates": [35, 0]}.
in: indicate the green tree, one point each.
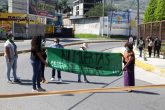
{"type": "Point", "coordinates": [62, 6]}
{"type": "Point", "coordinates": [150, 11]}
{"type": "Point", "coordinates": [97, 10]}
{"type": "Point", "coordinates": [160, 10]}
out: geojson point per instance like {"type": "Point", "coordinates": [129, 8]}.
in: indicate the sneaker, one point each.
{"type": "Point", "coordinates": [86, 81]}
{"type": "Point", "coordinates": [17, 81]}
{"type": "Point", "coordinates": [44, 81]}
{"type": "Point", "coordinates": [59, 80]}
{"type": "Point", "coordinates": [34, 90]}
{"type": "Point", "coordinates": [10, 81]}
{"type": "Point", "coordinates": [79, 81]}
{"type": "Point", "coordinates": [52, 79]}
{"type": "Point", "coordinates": [41, 89]}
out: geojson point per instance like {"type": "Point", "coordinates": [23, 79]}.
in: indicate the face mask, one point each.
{"type": "Point", "coordinates": [127, 49]}
{"type": "Point", "coordinates": [12, 38]}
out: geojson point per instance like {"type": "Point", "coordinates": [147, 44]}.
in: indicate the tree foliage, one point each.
{"type": "Point", "coordinates": [149, 13]}
{"type": "Point", "coordinates": [155, 11]}
{"type": "Point", "coordinates": [62, 6]}
{"type": "Point", "coordinates": [160, 10]}
{"type": "Point", "coordinates": [97, 10]}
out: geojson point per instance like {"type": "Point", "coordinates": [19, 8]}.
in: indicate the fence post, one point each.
{"type": "Point", "coordinates": [145, 30]}
{"type": "Point", "coordinates": [151, 30]}
{"type": "Point", "coordinates": [160, 30]}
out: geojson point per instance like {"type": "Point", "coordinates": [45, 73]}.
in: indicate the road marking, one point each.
{"type": "Point", "coordinates": [81, 91]}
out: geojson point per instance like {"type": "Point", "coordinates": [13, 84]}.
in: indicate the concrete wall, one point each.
{"type": "Point", "coordinates": [87, 26]}
{"type": "Point", "coordinates": [95, 25]}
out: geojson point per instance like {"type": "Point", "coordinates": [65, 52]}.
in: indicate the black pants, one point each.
{"type": "Point", "coordinates": [42, 71]}
{"type": "Point", "coordinates": [149, 50]}
{"type": "Point", "coordinates": [54, 73]}
{"type": "Point", "coordinates": [43, 67]}
{"type": "Point", "coordinates": [156, 49]}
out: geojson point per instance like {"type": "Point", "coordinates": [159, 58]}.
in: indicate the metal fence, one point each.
{"type": "Point", "coordinates": [153, 29]}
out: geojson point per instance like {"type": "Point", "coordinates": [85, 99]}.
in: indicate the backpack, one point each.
{"type": "Point", "coordinates": [157, 43]}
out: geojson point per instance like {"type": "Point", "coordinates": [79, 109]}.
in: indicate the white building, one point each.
{"type": "Point", "coordinates": [18, 6]}
{"type": "Point", "coordinates": [80, 7]}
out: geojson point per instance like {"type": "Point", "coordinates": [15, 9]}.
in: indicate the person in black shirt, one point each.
{"type": "Point", "coordinates": [36, 59]}
{"type": "Point", "coordinates": [157, 46]}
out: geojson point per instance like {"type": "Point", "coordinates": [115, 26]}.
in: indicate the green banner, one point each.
{"type": "Point", "coordinates": [85, 62]}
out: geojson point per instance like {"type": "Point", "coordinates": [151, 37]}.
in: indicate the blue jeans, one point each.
{"type": "Point", "coordinates": [36, 65]}
{"type": "Point", "coordinates": [11, 65]}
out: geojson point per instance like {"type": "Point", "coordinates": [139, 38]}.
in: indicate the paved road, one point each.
{"type": "Point", "coordinates": [26, 44]}
{"type": "Point", "coordinates": [148, 99]}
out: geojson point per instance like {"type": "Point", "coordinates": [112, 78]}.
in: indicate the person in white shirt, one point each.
{"type": "Point", "coordinates": [11, 56]}
{"type": "Point", "coordinates": [83, 48]}
{"type": "Point", "coordinates": [150, 45]}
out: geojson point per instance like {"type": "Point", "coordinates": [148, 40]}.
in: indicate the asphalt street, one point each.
{"type": "Point", "coordinates": [26, 44]}
{"type": "Point", "coordinates": [148, 99]}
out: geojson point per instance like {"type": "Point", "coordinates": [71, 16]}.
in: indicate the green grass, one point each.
{"type": "Point", "coordinates": [87, 36]}
{"type": "Point", "coordinates": [92, 36]}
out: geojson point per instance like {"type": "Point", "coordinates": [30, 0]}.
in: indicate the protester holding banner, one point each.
{"type": "Point", "coordinates": [36, 59]}
{"type": "Point", "coordinates": [84, 48]}
{"type": "Point", "coordinates": [129, 63]}
{"type": "Point", "coordinates": [11, 56]}
{"type": "Point", "coordinates": [56, 44]}
{"type": "Point", "coordinates": [44, 55]}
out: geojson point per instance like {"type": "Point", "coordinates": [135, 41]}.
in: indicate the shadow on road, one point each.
{"type": "Point", "coordinates": [75, 105]}
{"type": "Point", "coordinates": [68, 95]}
{"type": "Point", "coordinates": [97, 83]}
{"type": "Point", "coordinates": [58, 83]}
{"type": "Point", "coordinates": [145, 92]}
{"type": "Point", "coordinates": [26, 82]}
{"type": "Point", "coordinates": [138, 92]}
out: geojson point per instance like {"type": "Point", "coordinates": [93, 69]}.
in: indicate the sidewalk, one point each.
{"type": "Point", "coordinates": [152, 65]}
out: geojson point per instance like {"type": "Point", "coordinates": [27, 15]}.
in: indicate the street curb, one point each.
{"type": "Point", "coordinates": [150, 68]}
{"type": "Point", "coordinates": [75, 43]}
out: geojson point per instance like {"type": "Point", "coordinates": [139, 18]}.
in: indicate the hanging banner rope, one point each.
{"type": "Point", "coordinates": [85, 62]}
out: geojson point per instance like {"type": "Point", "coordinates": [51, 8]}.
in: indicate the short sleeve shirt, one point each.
{"type": "Point", "coordinates": [11, 48]}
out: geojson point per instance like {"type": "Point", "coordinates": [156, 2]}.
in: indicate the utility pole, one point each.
{"type": "Point", "coordinates": [138, 22]}
{"type": "Point", "coordinates": [111, 11]}
{"type": "Point", "coordinates": [27, 24]}
{"type": "Point", "coordinates": [103, 18]}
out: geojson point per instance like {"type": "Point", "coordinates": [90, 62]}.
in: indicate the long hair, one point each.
{"type": "Point", "coordinates": [36, 42]}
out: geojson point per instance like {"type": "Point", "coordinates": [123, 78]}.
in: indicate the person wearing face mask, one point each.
{"type": "Point", "coordinates": [11, 56]}
{"type": "Point", "coordinates": [83, 48]}
{"type": "Point", "coordinates": [56, 44]}
{"type": "Point", "coordinates": [129, 64]}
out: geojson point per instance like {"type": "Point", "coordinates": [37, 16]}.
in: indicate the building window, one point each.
{"type": "Point", "coordinates": [81, 1]}
{"type": "Point", "coordinates": [77, 13]}
{"type": "Point", "coordinates": [77, 8]}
